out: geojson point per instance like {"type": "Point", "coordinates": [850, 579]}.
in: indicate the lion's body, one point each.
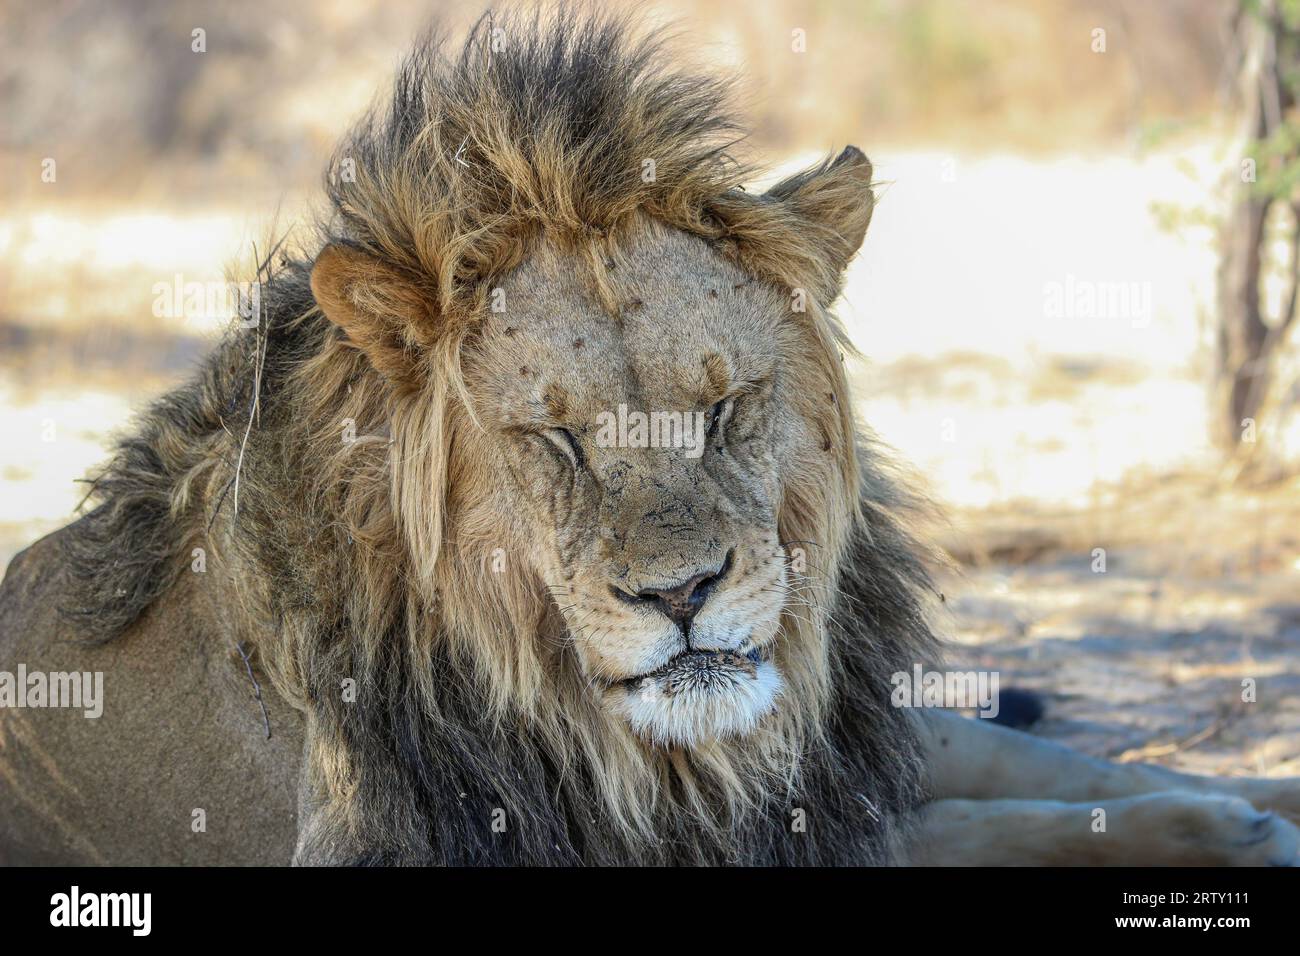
{"type": "Point", "coordinates": [180, 732]}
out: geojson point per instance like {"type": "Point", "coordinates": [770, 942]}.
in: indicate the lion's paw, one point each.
{"type": "Point", "coordinates": [1219, 830]}
{"type": "Point", "coordinates": [1281, 795]}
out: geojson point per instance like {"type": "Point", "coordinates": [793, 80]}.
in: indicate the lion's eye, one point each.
{"type": "Point", "coordinates": [565, 440]}
{"type": "Point", "coordinates": [718, 415]}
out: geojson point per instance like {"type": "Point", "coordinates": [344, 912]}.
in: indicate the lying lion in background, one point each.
{"type": "Point", "coordinates": [480, 631]}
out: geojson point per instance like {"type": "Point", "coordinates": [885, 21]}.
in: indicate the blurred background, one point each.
{"type": "Point", "coordinates": [1074, 306]}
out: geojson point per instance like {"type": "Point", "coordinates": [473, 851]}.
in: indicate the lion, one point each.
{"type": "Point", "coordinates": [403, 576]}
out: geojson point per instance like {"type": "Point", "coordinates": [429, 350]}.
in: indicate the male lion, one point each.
{"type": "Point", "coordinates": [380, 584]}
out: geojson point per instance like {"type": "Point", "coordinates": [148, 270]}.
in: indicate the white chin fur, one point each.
{"type": "Point", "coordinates": [696, 714]}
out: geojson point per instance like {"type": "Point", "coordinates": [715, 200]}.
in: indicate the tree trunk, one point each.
{"type": "Point", "coordinates": [1246, 341]}
{"type": "Point", "coordinates": [1241, 372]}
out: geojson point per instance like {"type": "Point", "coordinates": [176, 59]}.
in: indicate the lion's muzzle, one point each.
{"type": "Point", "coordinates": [699, 696]}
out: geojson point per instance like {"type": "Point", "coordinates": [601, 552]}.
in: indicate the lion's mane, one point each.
{"type": "Point", "coordinates": [343, 561]}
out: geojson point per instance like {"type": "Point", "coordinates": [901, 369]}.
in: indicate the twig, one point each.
{"type": "Point", "coordinates": [872, 810]}
{"type": "Point", "coordinates": [1165, 750]}
{"type": "Point", "coordinates": [94, 483]}
{"type": "Point", "coordinates": [263, 267]}
{"type": "Point", "coordinates": [257, 689]}
{"type": "Point", "coordinates": [221, 499]}
{"type": "Point", "coordinates": [252, 414]}
{"type": "Point", "coordinates": [255, 412]}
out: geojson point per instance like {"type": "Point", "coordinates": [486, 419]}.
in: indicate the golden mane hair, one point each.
{"type": "Point", "coordinates": [359, 563]}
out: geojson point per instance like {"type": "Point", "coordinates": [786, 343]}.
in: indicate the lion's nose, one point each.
{"type": "Point", "coordinates": [683, 601]}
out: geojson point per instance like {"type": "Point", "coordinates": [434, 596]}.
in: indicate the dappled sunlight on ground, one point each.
{"type": "Point", "coordinates": [1130, 662]}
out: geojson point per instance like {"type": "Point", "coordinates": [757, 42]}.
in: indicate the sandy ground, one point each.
{"type": "Point", "coordinates": [1156, 657]}
{"type": "Point", "coordinates": [1045, 437]}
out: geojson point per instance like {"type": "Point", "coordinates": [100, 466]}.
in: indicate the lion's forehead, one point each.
{"type": "Point", "coordinates": [687, 327]}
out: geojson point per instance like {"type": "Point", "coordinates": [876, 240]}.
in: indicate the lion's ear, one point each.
{"type": "Point", "coordinates": [835, 198]}
{"type": "Point", "coordinates": [382, 312]}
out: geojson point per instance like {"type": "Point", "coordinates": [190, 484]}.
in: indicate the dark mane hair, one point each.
{"type": "Point", "coordinates": [476, 155]}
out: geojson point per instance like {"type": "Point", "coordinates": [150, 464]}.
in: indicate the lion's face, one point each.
{"type": "Point", "coordinates": [642, 460]}
{"type": "Point", "coordinates": [633, 423]}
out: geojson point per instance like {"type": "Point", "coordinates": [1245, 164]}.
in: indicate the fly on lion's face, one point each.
{"type": "Point", "coordinates": [662, 552]}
